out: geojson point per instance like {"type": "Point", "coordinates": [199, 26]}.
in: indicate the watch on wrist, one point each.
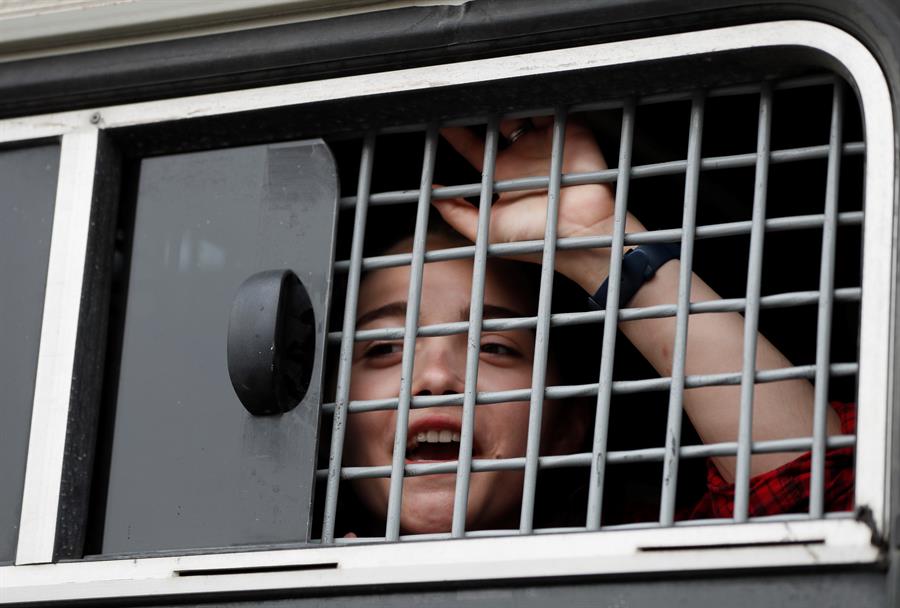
{"type": "Point", "coordinates": [638, 266]}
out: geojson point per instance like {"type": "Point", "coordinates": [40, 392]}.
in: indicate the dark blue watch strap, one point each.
{"type": "Point", "coordinates": [638, 266]}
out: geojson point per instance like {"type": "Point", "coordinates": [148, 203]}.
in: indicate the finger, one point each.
{"type": "Point", "coordinates": [469, 145]}
{"type": "Point", "coordinates": [460, 215]}
{"type": "Point", "coordinates": [509, 127]}
{"type": "Point", "coordinates": [350, 535]}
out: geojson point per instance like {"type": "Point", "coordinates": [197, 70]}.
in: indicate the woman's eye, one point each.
{"type": "Point", "coordinates": [495, 348]}
{"type": "Point", "coordinates": [384, 349]}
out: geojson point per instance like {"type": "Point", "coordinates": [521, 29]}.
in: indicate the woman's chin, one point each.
{"type": "Point", "coordinates": [428, 504]}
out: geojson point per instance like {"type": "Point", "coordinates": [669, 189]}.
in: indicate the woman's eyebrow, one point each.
{"type": "Point", "coordinates": [492, 311]}
{"type": "Point", "coordinates": [398, 309]}
{"type": "Point", "coordinates": [391, 309]}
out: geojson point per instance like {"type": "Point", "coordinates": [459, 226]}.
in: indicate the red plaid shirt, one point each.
{"type": "Point", "coordinates": [785, 489]}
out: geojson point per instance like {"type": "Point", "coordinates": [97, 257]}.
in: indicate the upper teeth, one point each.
{"type": "Point", "coordinates": [443, 436]}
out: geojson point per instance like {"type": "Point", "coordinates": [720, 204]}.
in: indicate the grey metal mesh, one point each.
{"type": "Point", "coordinates": [829, 219]}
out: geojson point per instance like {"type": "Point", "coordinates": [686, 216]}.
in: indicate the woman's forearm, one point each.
{"type": "Point", "coordinates": [714, 345]}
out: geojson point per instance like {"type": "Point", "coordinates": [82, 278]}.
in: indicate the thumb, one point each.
{"type": "Point", "coordinates": [460, 215]}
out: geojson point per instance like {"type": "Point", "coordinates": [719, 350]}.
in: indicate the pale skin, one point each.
{"type": "Point", "coordinates": [715, 342]}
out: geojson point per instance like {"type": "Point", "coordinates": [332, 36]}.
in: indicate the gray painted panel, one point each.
{"type": "Point", "coordinates": [190, 468]}
{"type": "Point", "coordinates": [27, 193]}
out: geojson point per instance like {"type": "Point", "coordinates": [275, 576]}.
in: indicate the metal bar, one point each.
{"type": "Point", "coordinates": [604, 176]}
{"type": "Point", "coordinates": [56, 354]}
{"type": "Point", "coordinates": [798, 444]}
{"type": "Point", "coordinates": [345, 363]}
{"type": "Point", "coordinates": [619, 387]}
{"type": "Point", "coordinates": [751, 316]}
{"type": "Point", "coordinates": [499, 533]}
{"type": "Point", "coordinates": [826, 306]}
{"type": "Point", "coordinates": [610, 327]}
{"type": "Point", "coordinates": [727, 91]}
{"type": "Point", "coordinates": [679, 349]}
{"type": "Point", "coordinates": [583, 460]}
{"type": "Point", "coordinates": [542, 331]}
{"type": "Point", "coordinates": [778, 224]}
{"type": "Point", "coordinates": [784, 517]}
{"type": "Point", "coordinates": [563, 319]}
{"type": "Point", "coordinates": [473, 350]}
{"type": "Point", "coordinates": [395, 496]}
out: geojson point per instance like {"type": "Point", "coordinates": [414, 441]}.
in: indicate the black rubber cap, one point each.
{"type": "Point", "coordinates": [271, 342]}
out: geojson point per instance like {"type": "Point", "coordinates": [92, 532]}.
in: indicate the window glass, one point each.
{"type": "Point", "coordinates": [26, 218]}
{"type": "Point", "coordinates": [189, 467]}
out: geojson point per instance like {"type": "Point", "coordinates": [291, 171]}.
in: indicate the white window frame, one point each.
{"type": "Point", "coordinates": [686, 546]}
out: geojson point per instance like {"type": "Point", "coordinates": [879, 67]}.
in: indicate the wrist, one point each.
{"type": "Point", "coordinates": [588, 268]}
{"type": "Point", "coordinates": [639, 266]}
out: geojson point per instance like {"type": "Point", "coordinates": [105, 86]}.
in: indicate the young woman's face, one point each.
{"type": "Point", "coordinates": [433, 433]}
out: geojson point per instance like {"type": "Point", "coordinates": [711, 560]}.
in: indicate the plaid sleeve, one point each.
{"type": "Point", "coordinates": [786, 489]}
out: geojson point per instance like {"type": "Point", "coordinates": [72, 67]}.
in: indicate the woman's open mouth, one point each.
{"type": "Point", "coordinates": [432, 445]}
{"type": "Point", "coordinates": [433, 439]}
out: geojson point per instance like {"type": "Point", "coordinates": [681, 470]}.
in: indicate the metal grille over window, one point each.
{"type": "Point", "coordinates": [632, 313]}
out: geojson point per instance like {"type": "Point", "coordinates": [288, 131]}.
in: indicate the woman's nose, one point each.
{"type": "Point", "coordinates": [439, 367]}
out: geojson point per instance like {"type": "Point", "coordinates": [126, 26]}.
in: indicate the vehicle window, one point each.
{"type": "Point", "coordinates": [187, 466]}
{"type": "Point", "coordinates": [29, 178]}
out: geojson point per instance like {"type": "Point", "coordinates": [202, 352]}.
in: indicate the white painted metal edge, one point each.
{"type": "Point", "coordinates": [845, 542]}
{"type": "Point", "coordinates": [793, 544]}
{"type": "Point", "coordinates": [874, 392]}
{"type": "Point", "coordinates": [56, 352]}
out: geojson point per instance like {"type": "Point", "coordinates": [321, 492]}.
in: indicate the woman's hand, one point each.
{"type": "Point", "coordinates": [521, 216]}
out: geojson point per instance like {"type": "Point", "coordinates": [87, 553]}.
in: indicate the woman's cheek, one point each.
{"type": "Point", "coordinates": [503, 429]}
{"type": "Point", "coordinates": [366, 444]}
{"type": "Point", "coordinates": [494, 376]}
{"type": "Point", "coordinates": [374, 382]}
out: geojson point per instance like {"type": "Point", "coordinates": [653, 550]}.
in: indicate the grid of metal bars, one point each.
{"type": "Point", "coordinates": [606, 386]}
